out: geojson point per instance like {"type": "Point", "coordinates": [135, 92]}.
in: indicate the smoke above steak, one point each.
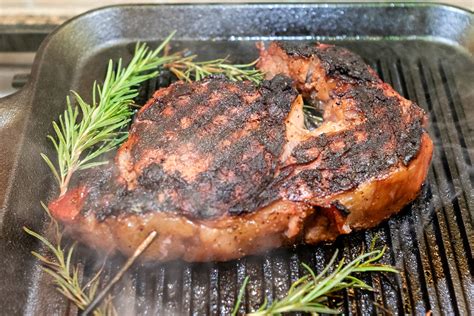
{"type": "Point", "coordinates": [224, 169]}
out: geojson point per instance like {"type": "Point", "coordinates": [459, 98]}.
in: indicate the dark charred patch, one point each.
{"type": "Point", "coordinates": [102, 190]}
{"type": "Point", "coordinates": [310, 149]}
{"type": "Point", "coordinates": [154, 178]}
{"type": "Point", "coordinates": [341, 208]}
{"type": "Point", "coordinates": [409, 141]}
{"type": "Point", "coordinates": [337, 61]}
{"type": "Point", "coordinates": [299, 49]}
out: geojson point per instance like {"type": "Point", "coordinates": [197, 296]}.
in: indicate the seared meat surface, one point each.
{"type": "Point", "coordinates": [201, 150]}
{"type": "Point", "coordinates": [222, 169]}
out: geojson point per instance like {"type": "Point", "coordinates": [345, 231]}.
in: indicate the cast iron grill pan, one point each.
{"type": "Point", "coordinates": [430, 241]}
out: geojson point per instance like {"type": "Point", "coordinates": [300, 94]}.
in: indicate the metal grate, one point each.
{"type": "Point", "coordinates": [431, 241]}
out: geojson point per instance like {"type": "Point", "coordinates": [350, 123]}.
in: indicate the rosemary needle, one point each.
{"type": "Point", "coordinates": [240, 296]}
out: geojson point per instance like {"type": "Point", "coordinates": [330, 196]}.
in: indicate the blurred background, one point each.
{"type": "Point", "coordinates": [25, 23]}
{"type": "Point", "coordinates": [59, 10]}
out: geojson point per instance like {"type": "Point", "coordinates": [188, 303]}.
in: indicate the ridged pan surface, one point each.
{"type": "Point", "coordinates": [424, 51]}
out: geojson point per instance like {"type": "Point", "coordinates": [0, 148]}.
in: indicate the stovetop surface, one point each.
{"type": "Point", "coordinates": [18, 45]}
{"type": "Point", "coordinates": [14, 71]}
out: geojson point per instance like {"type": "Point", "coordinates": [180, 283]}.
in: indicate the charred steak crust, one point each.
{"type": "Point", "coordinates": [200, 149]}
{"type": "Point", "coordinates": [224, 169]}
{"type": "Point", "coordinates": [349, 157]}
{"type": "Point", "coordinates": [337, 61]}
{"type": "Point", "coordinates": [379, 134]}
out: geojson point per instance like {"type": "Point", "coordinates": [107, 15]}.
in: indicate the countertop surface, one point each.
{"type": "Point", "coordinates": [57, 11]}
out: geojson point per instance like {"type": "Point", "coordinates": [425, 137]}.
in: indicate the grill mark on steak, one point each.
{"type": "Point", "coordinates": [185, 174]}
{"type": "Point", "coordinates": [199, 107]}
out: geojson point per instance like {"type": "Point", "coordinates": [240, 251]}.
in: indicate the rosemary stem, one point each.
{"type": "Point", "coordinates": [65, 183]}
{"type": "Point", "coordinates": [141, 248]}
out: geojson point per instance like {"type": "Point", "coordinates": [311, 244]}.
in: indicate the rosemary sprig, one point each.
{"type": "Point", "coordinates": [66, 276]}
{"type": "Point", "coordinates": [187, 69]}
{"type": "Point", "coordinates": [86, 131]}
{"type": "Point", "coordinates": [311, 292]}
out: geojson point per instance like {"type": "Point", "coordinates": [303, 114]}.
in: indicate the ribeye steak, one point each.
{"type": "Point", "coordinates": [224, 169]}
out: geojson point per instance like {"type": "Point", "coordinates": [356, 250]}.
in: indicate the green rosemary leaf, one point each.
{"type": "Point", "coordinates": [377, 268]}
{"type": "Point", "coordinates": [240, 296]}
{"type": "Point", "coordinates": [43, 259]}
{"type": "Point", "coordinates": [68, 260]}
{"type": "Point", "coordinates": [41, 238]}
{"type": "Point", "coordinates": [51, 165]}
